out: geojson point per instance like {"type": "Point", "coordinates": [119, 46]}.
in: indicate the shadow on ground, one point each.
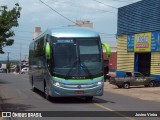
{"type": "Point", "coordinates": [3, 82]}
{"type": "Point", "coordinates": [13, 107]}
{"type": "Point", "coordinates": [73, 100]}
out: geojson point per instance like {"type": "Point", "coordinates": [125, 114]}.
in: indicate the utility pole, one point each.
{"type": "Point", "coordinates": [8, 65]}
{"type": "Point", "coordinates": [25, 57]}
{"type": "Point", "coordinates": [20, 59]}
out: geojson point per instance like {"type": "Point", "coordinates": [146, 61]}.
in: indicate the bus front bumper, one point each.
{"type": "Point", "coordinates": [58, 91]}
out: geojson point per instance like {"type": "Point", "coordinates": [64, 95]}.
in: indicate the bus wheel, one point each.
{"type": "Point", "coordinates": [46, 93]}
{"type": "Point", "coordinates": [89, 98]}
{"type": "Point", "coordinates": [33, 87]}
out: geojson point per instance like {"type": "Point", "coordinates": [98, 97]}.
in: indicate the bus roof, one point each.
{"type": "Point", "coordinates": [69, 32]}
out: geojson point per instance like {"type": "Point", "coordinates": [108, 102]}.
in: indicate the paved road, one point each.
{"type": "Point", "coordinates": [16, 95]}
{"type": "Point", "coordinates": [140, 92]}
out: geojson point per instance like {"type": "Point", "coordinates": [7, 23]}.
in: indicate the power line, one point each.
{"type": "Point", "coordinates": [122, 1]}
{"type": "Point", "coordinates": [23, 31]}
{"type": "Point", "coordinates": [58, 12]}
{"type": "Point", "coordinates": [105, 4]}
{"type": "Point", "coordinates": [9, 2]}
{"type": "Point", "coordinates": [106, 33]}
{"type": "Point", "coordinates": [65, 16]}
{"type": "Point", "coordinates": [73, 4]}
{"type": "Point", "coordinates": [14, 1]}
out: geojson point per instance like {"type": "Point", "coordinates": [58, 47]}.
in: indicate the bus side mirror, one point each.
{"type": "Point", "coordinates": [48, 51]}
{"type": "Point", "coordinates": [108, 49]}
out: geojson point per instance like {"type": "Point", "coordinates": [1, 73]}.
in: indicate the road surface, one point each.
{"type": "Point", "coordinates": [16, 95]}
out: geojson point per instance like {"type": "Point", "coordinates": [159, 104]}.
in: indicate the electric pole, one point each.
{"type": "Point", "coordinates": [20, 58]}
{"type": "Point", "coordinates": [8, 64]}
{"type": "Point", "coordinates": [25, 57]}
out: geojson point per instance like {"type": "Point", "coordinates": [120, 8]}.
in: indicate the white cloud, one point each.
{"type": "Point", "coordinates": [34, 13]}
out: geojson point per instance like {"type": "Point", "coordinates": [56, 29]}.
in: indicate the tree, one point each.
{"type": "Point", "coordinates": [8, 19]}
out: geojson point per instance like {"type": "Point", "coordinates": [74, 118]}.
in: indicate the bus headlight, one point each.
{"type": "Point", "coordinates": [99, 83]}
{"type": "Point", "coordinates": [57, 84]}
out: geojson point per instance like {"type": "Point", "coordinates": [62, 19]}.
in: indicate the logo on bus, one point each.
{"type": "Point", "coordinates": [79, 86]}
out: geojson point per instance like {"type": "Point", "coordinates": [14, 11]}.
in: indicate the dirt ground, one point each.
{"type": "Point", "coordinates": [141, 92]}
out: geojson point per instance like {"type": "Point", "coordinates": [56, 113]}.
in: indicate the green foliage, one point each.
{"type": "Point", "coordinates": [8, 19]}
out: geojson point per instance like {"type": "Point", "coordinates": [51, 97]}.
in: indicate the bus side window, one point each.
{"type": "Point", "coordinates": [41, 46]}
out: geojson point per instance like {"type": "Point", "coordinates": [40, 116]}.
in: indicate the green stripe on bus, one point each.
{"type": "Point", "coordinates": [79, 80]}
{"type": "Point", "coordinates": [108, 49]}
{"type": "Point", "coordinates": [48, 50]}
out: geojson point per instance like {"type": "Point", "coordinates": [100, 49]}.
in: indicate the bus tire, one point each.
{"type": "Point", "coordinates": [33, 87]}
{"type": "Point", "coordinates": [89, 98]}
{"type": "Point", "coordinates": [46, 93]}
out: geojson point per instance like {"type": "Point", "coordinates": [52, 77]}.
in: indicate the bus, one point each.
{"type": "Point", "coordinates": [67, 62]}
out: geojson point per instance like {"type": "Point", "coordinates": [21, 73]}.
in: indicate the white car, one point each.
{"type": "Point", "coordinates": [24, 70]}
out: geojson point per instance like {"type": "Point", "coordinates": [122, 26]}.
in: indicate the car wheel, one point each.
{"type": "Point", "coordinates": [151, 84]}
{"type": "Point", "coordinates": [126, 85]}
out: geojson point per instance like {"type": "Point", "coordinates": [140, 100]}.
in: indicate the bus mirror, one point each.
{"type": "Point", "coordinates": [48, 50]}
{"type": "Point", "coordinates": [108, 49]}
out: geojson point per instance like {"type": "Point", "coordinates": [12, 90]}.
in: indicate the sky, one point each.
{"type": "Point", "coordinates": [34, 13]}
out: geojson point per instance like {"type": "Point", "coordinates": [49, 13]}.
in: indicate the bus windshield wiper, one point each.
{"type": "Point", "coordinates": [86, 69]}
{"type": "Point", "coordinates": [81, 64]}
{"type": "Point", "coordinates": [70, 70]}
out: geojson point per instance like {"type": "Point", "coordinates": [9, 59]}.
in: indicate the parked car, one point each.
{"type": "Point", "coordinates": [2, 70]}
{"type": "Point", "coordinates": [24, 70]}
{"type": "Point", "coordinates": [133, 79]}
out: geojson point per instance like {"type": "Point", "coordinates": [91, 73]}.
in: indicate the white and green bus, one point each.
{"type": "Point", "coordinates": [67, 62]}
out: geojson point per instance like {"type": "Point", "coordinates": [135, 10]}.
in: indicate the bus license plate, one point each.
{"type": "Point", "coordinates": [79, 92]}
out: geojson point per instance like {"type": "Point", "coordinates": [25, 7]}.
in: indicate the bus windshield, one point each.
{"type": "Point", "coordinates": [77, 58]}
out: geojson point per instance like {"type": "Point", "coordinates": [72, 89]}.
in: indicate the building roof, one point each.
{"type": "Point", "coordinates": [139, 17]}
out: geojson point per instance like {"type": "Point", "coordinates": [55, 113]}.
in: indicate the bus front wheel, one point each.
{"type": "Point", "coordinates": [89, 98]}
{"type": "Point", "coordinates": [46, 93]}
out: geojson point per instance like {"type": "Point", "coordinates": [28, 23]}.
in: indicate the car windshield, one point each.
{"type": "Point", "coordinates": [77, 57]}
{"type": "Point", "coordinates": [138, 75]}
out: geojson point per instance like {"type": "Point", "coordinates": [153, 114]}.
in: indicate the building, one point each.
{"type": "Point", "coordinates": [84, 23]}
{"type": "Point", "coordinates": [112, 61]}
{"type": "Point", "coordinates": [37, 31]}
{"type": "Point", "coordinates": [139, 38]}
